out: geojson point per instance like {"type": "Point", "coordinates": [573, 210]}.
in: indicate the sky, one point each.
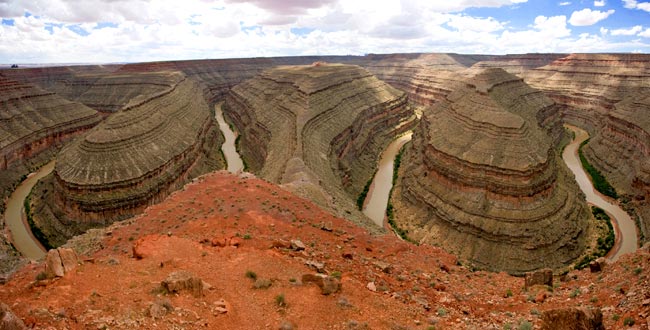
{"type": "Point", "coordinates": [109, 31]}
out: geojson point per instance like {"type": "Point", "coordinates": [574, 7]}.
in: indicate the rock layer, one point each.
{"type": "Point", "coordinates": [317, 129]}
{"type": "Point", "coordinates": [134, 158]}
{"type": "Point", "coordinates": [483, 180]}
{"type": "Point", "coordinates": [607, 94]}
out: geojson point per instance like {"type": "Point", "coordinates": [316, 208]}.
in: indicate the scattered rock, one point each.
{"type": "Point", "coordinates": [539, 277]}
{"type": "Point", "coordinates": [221, 307]}
{"type": "Point", "coordinates": [59, 261]}
{"type": "Point", "coordinates": [318, 266]}
{"type": "Point", "coordinates": [384, 266]}
{"type": "Point", "coordinates": [53, 265]}
{"type": "Point", "coordinates": [280, 244]}
{"type": "Point", "coordinates": [597, 265]}
{"type": "Point", "coordinates": [8, 320]}
{"type": "Point", "coordinates": [297, 245]}
{"type": "Point", "coordinates": [262, 283]}
{"type": "Point", "coordinates": [444, 268]}
{"type": "Point", "coordinates": [347, 255]}
{"type": "Point", "coordinates": [218, 242]}
{"type": "Point", "coordinates": [183, 280]}
{"type": "Point", "coordinates": [286, 325]}
{"type": "Point", "coordinates": [160, 308]}
{"type": "Point", "coordinates": [572, 319]}
{"type": "Point", "coordinates": [327, 284]}
{"type": "Point", "coordinates": [68, 259]}
{"type": "Point", "coordinates": [326, 226]}
{"type": "Point", "coordinates": [541, 297]}
{"type": "Point", "coordinates": [235, 241]}
{"type": "Point", "coordinates": [372, 287]}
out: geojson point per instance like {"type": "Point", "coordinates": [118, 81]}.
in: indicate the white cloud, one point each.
{"type": "Point", "coordinates": [634, 4]}
{"type": "Point", "coordinates": [603, 31]}
{"type": "Point", "coordinates": [630, 4]}
{"type": "Point", "coordinates": [600, 3]}
{"type": "Point", "coordinates": [468, 23]}
{"type": "Point", "coordinates": [588, 17]}
{"type": "Point", "coordinates": [645, 34]}
{"type": "Point", "coordinates": [627, 32]}
{"type": "Point", "coordinates": [566, 3]}
{"type": "Point", "coordinates": [168, 29]}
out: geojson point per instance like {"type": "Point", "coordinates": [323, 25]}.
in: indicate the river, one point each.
{"type": "Point", "coordinates": [626, 236]}
{"type": "Point", "coordinates": [377, 199]}
{"type": "Point", "coordinates": [15, 217]}
{"type": "Point", "coordinates": [235, 164]}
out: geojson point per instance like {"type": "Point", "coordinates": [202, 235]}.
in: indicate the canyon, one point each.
{"type": "Point", "coordinates": [481, 185]}
{"type": "Point", "coordinates": [483, 179]}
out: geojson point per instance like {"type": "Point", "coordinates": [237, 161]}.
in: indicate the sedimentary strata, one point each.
{"type": "Point", "coordinates": [134, 158]}
{"type": "Point", "coordinates": [33, 125]}
{"type": "Point", "coordinates": [317, 129]}
{"type": "Point", "coordinates": [482, 179]}
{"type": "Point", "coordinates": [607, 94]}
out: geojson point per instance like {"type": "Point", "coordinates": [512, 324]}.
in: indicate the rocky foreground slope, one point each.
{"type": "Point", "coordinates": [482, 179]}
{"type": "Point", "coordinates": [136, 157]}
{"type": "Point", "coordinates": [317, 129]}
{"type": "Point", "coordinates": [228, 241]}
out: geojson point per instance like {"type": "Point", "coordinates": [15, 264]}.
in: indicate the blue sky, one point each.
{"type": "Point", "coordinates": [95, 31]}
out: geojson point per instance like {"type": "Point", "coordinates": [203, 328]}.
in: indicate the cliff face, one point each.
{"type": "Point", "coordinates": [33, 124]}
{"type": "Point", "coordinates": [317, 129]}
{"type": "Point", "coordinates": [33, 120]}
{"type": "Point", "coordinates": [133, 159]}
{"type": "Point", "coordinates": [482, 179]}
{"type": "Point", "coordinates": [607, 94]}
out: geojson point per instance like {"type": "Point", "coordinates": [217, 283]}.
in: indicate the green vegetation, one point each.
{"type": "Point", "coordinates": [628, 321]}
{"type": "Point", "coordinates": [525, 325]}
{"type": "Point", "coordinates": [280, 301]}
{"type": "Point", "coordinates": [38, 234]}
{"type": "Point", "coordinates": [251, 274]}
{"type": "Point", "coordinates": [604, 245]}
{"type": "Point", "coordinates": [364, 192]}
{"type": "Point", "coordinates": [600, 183]}
{"type": "Point", "coordinates": [389, 208]}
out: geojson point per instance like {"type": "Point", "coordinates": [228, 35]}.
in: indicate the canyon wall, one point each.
{"type": "Point", "coordinates": [135, 158]}
{"type": "Point", "coordinates": [607, 94]}
{"type": "Point", "coordinates": [482, 178]}
{"type": "Point", "coordinates": [33, 125]}
{"type": "Point", "coordinates": [317, 129]}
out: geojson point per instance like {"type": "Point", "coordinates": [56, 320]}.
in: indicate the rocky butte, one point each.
{"type": "Point", "coordinates": [317, 129]}
{"type": "Point", "coordinates": [607, 94]}
{"type": "Point", "coordinates": [482, 178]}
{"type": "Point", "coordinates": [154, 145]}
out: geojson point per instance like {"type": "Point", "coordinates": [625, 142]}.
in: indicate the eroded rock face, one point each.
{"type": "Point", "coordinates": [482, 179]}
{"type": "Point", "coordinates": [317, 129]}
{"type": "Point", "coordinates": [608, 95]}
{"type": "Point", "coordinates": [573, 319]}
{"type": "Point", "coordinates": [133, 159]}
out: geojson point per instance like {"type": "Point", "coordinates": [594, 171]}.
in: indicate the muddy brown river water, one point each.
{"type": "Point", "coordinates": [377, 199]}
{"type": "Point", "coordinates": [235, 164]}
{"type": "Point", "coordinates": [15, 217]}
{"type": "Point", "coordinates": [626, 236]}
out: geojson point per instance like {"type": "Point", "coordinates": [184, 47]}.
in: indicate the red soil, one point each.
{"type": "Point", "coordinates": [115, 290]}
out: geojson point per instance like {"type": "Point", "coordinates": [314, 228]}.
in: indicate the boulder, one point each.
{"type": "Point", "coordinates": [183, 280]}
{"type": "Point", "coordinates": [572, 319]}
{"type": "Point", "coordinates": [539, 277]}
{"type": "Point", "coordinates": [9, 320]}
{"type": "Point", "coordinates": [597, 265]}
{"type": "Point", "coordinates": [53, 265]}
{"type": "Point", "coordinates": [297, 245]}
{"type": "Point", "coordinates": [69, 259]}
{"type": "Point", "coordinates": [327, 284]}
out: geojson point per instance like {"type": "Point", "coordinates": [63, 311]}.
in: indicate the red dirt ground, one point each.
{"type": "Point", "coordinates": [424, 287]}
